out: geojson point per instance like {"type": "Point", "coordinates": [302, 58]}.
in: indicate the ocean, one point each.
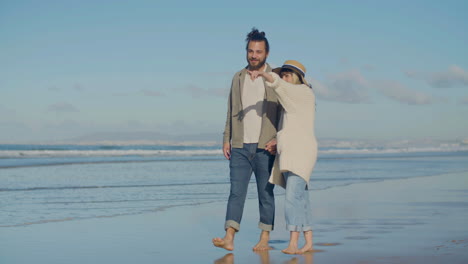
{"type": "Point", "coordinates": [49, 183]}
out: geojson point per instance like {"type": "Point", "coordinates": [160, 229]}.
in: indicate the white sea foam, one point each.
{"type": "Point", "coordinates": [389, 147]}
{"type": "Point", "coordinates": [393, 150]}
{"type": "Point", "coordinates": [105, 153]}
{"type": "Point", "coordinates": [218, 152]}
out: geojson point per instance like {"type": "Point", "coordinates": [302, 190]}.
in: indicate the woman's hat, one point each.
{"type": "Point", "coordinates": [294, 66]}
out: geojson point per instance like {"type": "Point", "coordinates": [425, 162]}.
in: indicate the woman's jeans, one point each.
{"type": "Point", "coordinates": [243, 162]}
{"type": "Point", "coordinates": [297, 204]}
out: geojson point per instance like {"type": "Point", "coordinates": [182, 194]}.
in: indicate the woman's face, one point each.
{"type": "Point", "coordinates": [287, 76]}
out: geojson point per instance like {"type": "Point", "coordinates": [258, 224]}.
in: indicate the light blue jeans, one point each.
{"type": "Point", "coordinates": [297, 204]}
{"type": "Point", "coordinates": [243, 162]}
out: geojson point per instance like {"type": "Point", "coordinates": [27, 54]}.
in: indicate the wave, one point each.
{"type": "Point", "coordinates": [106, 186]}
{"type": "Point", "coordinates": [118, 152]}
{"type": "Point", "coordinates": [395, 150]}
{"type": "Point", "coordinates": [106, 153]}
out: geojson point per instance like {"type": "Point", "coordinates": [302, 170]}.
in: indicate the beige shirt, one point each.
{"type": "Point", "coordinates": [297, 145]}
{"type": "Point", "coordinates": [252, 102]}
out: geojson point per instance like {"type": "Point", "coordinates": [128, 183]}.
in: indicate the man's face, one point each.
{"type": "Point", "coordinates": [256, 54]}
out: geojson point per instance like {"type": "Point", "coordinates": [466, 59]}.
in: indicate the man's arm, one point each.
{"type": "Point", "coordinates": [227, 130]}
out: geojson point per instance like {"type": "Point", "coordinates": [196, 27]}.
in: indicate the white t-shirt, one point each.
{"type": "Point", "coordinates": [253, 95]}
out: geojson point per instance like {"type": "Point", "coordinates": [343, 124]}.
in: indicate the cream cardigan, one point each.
{"type": "Point", "coordinates": [297, 145]}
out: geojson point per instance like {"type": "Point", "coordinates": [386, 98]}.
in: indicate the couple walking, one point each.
{"type": "Point", "coordinates": [270, 131]}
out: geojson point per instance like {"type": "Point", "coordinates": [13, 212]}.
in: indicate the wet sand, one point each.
{"type": "Point", "coordinates": [419, 220]}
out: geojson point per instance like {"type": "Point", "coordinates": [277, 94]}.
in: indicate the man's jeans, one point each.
{"type": "Point", "coordinates": [243, 162]}
{"type": "Point", "coordinates": [297, 204]}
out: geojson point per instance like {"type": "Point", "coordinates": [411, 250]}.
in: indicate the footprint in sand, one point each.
{"type": "Point", "coordinates": [377, 232]}
{"type": "Point", "coordinates": [327, 244]}
{"type": "Point", "coordinates": [358, 237]}
{"type": "Point", "coordinates": [278, 241]}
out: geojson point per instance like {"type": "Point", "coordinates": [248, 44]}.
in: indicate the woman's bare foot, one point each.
{"type": "Point", "coordinates": [306, 248]}
{"type": "Point", "coordinates": [292, 246]}
{"type": "Point", "coordinates": [227, 244]}
{"type": "Point", "coordinates": [291, 250]}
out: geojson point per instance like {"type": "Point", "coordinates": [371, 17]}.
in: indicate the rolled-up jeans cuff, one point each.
{"type": "Point", "coordinates": [265, 227]}
{"type": "Point", "coordinates": [296, 228]}
{"type": "Point", "coordinates": [233, 224]}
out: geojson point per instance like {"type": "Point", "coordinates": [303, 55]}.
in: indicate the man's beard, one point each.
{"type": "Point", "coordinates": [257, 67]}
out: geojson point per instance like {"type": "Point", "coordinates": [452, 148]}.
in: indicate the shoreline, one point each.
{"type": "Point", "coordinates": [163, 208]}
{"type": "Point", "coordinates": [417, 220]}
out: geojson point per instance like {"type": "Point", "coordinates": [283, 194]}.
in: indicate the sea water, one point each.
{"type": "Point", "coordinates": [48, 183]}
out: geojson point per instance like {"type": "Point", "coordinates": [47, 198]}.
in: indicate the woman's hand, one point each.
{"type": "Point", "coordinates": [266, 75]}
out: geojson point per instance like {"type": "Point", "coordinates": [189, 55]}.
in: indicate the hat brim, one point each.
{"type": "Point", "coordinates": [299, 74]}
{"type": "Point", "coordinates": [277, 70]}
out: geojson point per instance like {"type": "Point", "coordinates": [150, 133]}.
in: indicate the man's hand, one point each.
{"type": "Point", "coordinates": [227, 150]}
{"type": "Point", "coordinates": [271, 146]}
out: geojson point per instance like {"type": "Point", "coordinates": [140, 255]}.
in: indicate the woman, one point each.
{"type": "Point", "coordinates": [296, 148]}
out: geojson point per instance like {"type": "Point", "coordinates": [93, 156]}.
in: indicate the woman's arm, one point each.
{"type": "Point", "coordinates": [283, 90]}
{"type": "Point", "coordinates": [267, 76]}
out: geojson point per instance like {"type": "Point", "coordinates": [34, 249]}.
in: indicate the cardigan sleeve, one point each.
{"type": "Point", "coordinates": [283, 90]}
{"type": "Point", "coordinates": [227, 134]}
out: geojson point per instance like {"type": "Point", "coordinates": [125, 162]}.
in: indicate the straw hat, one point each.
{"type": "Point", "coordinates": [295, 66]}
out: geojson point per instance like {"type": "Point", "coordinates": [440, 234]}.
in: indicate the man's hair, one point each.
{"type": "Point", "coordinates": [256, 35]}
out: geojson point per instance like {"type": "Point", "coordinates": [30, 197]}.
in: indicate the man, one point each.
{"type": "Point", "coordinates": [250, 143]}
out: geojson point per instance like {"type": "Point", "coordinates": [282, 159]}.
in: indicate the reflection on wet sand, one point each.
{"type": "Point", "coordinates": [264, 256]}
{"type": "Point", "coordinates": [308, 258]}
{"type": "Point", "coordinates": [227, 259]}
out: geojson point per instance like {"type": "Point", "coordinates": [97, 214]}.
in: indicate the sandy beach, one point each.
{"type": "Point", "coordinates": [418, 220]}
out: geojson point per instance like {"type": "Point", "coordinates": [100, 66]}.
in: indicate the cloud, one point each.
{"type": "Point", "coordinates": [78, 87]}
{"type": "Point", "coordinates": [53, 88]}
{"type": "Point", "coordinates": [344, 60]}
{"type": "Point", "coordinates": [197, 91]}
{"type": "Point", "coordinates": [142, 92]}
{"type": "Point", "coordinates": [62, 108]}
{"type": "Point", "coordinates": [347, 87]}
{"type": "Point", "coordinates": [453, 77]}
{"type": "Point", "coordinates": [150, 93]}
{"type": "Point", "coordinates": [398, 92]}
{"type": "Point", "coordinates": [4, 111]}
{"type": "Point", "coordinates": [352, 87]}
{"type": "Point", "coordinates": [223, 74]}
{"type": "Point", "coordinates": [12, 131]}
{"type": "Point", "coordinates": [369, 67]}
{"type": "Point", "coordinates": [464, 100]}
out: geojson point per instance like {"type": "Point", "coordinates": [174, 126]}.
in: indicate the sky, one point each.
{"type": "Point", "coordinates": [380, 70]}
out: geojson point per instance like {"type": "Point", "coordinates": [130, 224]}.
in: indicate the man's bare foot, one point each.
{"type": "Point", "coordinates": [262, 246]}
{"type": "Point", "coordinates": [263, 242]}
{"type": "Point", "coordinates": [223, 243]}
{"type": "Point", "coordinates": [291, 250]}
